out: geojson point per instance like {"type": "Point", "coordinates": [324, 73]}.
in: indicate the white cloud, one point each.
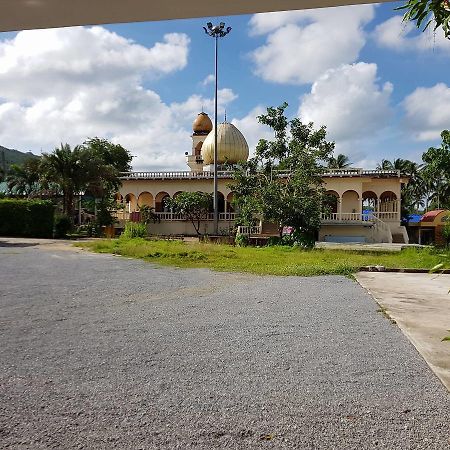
{"type": "Point", "coordinates": [427, 111]}
{"type": "Point", "coordinates": [196, 103]}
{"type": "Point", "coordinates": [351, 103]}
{"type": "Point", "coordinates": [399, 36]}
{"type": "Point", "coordinates": [252, 130]}
{"type": "Point", "coordinates": [208, 80]}
{"type": "Point", "coordinates": [301, 45]}
{"type": "Point", "coordinates": [68, 84]}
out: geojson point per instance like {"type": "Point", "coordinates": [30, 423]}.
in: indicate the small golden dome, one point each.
{"type": "Point", "coordinates": [231, 145]}
{"type": "Point", "coordinates": [202, 124]}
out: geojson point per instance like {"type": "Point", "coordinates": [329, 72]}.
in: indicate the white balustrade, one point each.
{"type": "Point", "coordinates": [170, 216]}
{"type": "Point", "coordinates": [188, 174]}
{"type": "Point", "coordinates": [347, 217]}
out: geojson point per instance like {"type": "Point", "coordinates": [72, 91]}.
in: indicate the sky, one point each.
{"type": "Point", "coordinates": [381, 87]}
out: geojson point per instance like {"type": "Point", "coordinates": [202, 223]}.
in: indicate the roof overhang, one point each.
{"type": "Point", "coordinates": [29, 14]}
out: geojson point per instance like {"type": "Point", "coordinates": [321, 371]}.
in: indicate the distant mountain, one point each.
{"type": "Point", "coordinates": [9, 156]}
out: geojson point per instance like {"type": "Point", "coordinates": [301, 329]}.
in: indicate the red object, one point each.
{"type": "Point", "coordinates": [135, 216]}
{"type": "Point", "coordinates": [431, 215]}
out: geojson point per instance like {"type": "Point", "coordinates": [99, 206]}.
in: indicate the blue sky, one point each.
{"type": "Point", "coordinates": [380, 86]}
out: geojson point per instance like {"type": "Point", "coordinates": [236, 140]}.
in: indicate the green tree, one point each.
{"type": "Point", "coordinates": [436, 170]}
{"type": "Point", "coordinates": [385, 165]}
{"type": "Point", "coordinates": [24, 179]}
{"type": "Point", "coordinates": [194, 206]}
{"type": "Point", "coordinates": [282, 183]}
{"type": "Point", "coordinates": [107, 162]}
{"type": "Point", "coordinates": [70, 170]}
{"type": "Point", "coordinates": [94, 166]}
{"type": "Point", "coordinates": [428, 12]}
{"type": "Point", "coordinates": [339, 162]}
{"type": "Point", "coordinates": [148, 214]}
{"type": "Point", "coordinates": [413, 192]}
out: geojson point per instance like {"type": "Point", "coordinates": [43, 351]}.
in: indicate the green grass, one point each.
{"type": "Point", "coordinates": [264, 260]}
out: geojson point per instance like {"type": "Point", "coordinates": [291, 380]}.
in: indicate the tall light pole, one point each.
{"type": "Point", "coordinates": [216, 32]}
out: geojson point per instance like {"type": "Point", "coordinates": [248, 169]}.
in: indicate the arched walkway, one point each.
{"type": "Point", "coordinates": [160, 202]}
{"type": "Point", "coordinates": [369, 201]}
{"type": "Point", "coordinates": [350, 202]}
{"type": "Point", "coordinates": [389, 203]}
{"type": "Point", "coordinates": [332, 201]}
{"type": "Point", "coordinates": [145, 199]}
{"type": "Point", "coordinates": [131, 203]}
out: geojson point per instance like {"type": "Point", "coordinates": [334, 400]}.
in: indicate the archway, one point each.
{"type": "Point", "coordinates": [198, 149]}
{"type": "Point", "coordinates": [221, 202]}
{"type": "Point", "coordinates": [161, 202]}
{"type": "Point", "coordinates": [331, 201]}
{"type": "Point", "coordinates": [145, 199]}
{"type": "Point", "coordinates": [388, 202]}
{"type": "Point", "coordinates": [230, 206]}
{"type": "Point", "coordinates": [369, 201]}
{"type": "Point", "coordinates": [130, 200]}
{"type": "Point", "coordinates": [388, 196]}
{"type": "Point", "coordinates": [350, 202]}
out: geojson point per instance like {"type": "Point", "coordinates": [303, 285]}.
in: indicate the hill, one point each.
{"type": "Point", "coordinates": [9, 156]}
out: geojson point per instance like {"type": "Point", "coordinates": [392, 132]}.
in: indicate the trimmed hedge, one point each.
{"type": "Point", "coordinates": [29, 218]}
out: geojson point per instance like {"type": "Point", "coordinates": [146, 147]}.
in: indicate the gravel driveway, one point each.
{"type": "Point", "coordinates": [101, 352]}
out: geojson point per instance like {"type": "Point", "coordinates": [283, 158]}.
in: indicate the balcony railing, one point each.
{"type": "Point", "coordinates": [171, 217]}
{"type": "Point", "coordinates": [202, 175]}
{"type": "Point", "coordinates": [346, 217]}
{"type": "Point", "coordinates": [360, 217]}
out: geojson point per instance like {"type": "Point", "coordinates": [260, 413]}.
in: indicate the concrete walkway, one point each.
{"type": "Point", "coordinates": [420, 304]}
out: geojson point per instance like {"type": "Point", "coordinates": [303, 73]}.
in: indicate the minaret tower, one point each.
{"type": "Point", "coordinates": [201, 127]}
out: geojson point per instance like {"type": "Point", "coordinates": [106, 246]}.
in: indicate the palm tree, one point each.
{"type": "Point", "coordinates": [385, 165]}
{"type": "Point", "coordinates": [68, 169]}
{"type": "Point", "coordinates": [340, 162]}
{"type": "Point", "coordinates": [24, 179]}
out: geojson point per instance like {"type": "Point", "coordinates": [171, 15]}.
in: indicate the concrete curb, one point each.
{"type": "Point", "coordinates": [398, 270]}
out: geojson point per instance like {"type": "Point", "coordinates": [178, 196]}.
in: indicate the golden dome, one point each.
{"type": "Point", "coordinates": [202, 124]}
{"type": "Point", "coordinates": [231, 145]}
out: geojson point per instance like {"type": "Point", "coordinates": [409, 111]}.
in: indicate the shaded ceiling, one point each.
{"type": "Point", "coordinates": [28, 14]}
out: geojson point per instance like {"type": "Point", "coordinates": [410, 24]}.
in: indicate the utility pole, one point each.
{"type": "Point", "coordinates": [216, 32]}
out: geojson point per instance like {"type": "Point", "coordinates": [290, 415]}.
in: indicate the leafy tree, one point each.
{"type": "Point", "coordinates": [94, 166]}
{"type": "Point", "coordinates": [339, 162]}
{"type": "Point", "coordinates": [437, 169]}
{"type": "Point", "coordinates": [68, 169]}
{"type": "Point", "coordinates": [427, 12]}
{"type": "Point", "coordinates": [413, 191]}
{"type": "Point", "coordinates": [24, 179]}
{"type": "Point", "coordinates": [282, 183]}
{"type": "Point", "coordinates": [193, 205]}
{"type": "Point", "coordinates": [384, 165]}
{"type": "Point", "coordinates": [107, 161]}
{"type": "Point", "coordinates": [148, 214]}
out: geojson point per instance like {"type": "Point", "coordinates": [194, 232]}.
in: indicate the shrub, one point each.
{"type": "Point", "coordinates": [62, 226]}
{"type": "Point", "coordinates": [446, 233]}
{"type": "Point", "coordinates": [241, 240]}
{"type": "Point", "coordinates": [28, 218]}
{"type": "Point", "coordinates": [134, 230]}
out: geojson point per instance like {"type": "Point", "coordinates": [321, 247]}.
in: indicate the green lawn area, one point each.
{"type": "Point", "coordinates": [265, 260]}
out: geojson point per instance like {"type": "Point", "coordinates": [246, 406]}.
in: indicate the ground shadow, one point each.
{"type": "Point", "coordinates": [17, 244]}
